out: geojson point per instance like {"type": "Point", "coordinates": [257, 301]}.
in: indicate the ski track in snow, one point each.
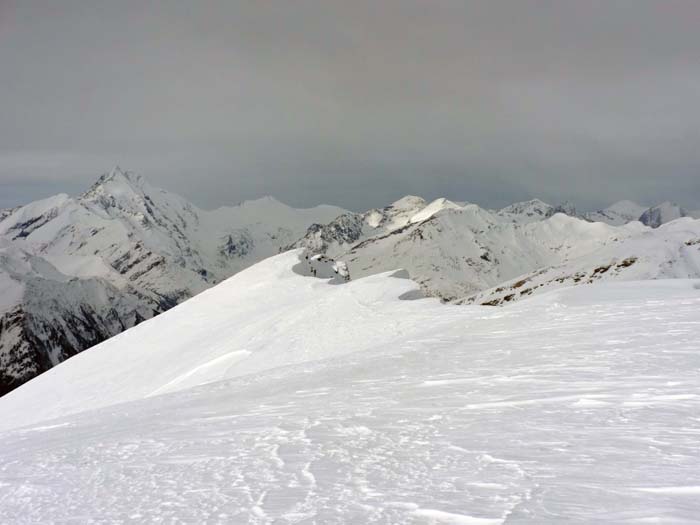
{"type": "Point", "coordinates": [587, 412]}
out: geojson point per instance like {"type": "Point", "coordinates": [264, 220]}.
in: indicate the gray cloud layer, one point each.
{"type": "Point", "coordinates": [354, 103]}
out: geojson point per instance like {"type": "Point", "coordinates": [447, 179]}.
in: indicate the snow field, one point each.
{"type": "Point", "coordinates": [576, 406]}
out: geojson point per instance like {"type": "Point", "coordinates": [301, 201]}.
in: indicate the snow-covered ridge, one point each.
{"type": "Point", "coordinates": [221, 333]}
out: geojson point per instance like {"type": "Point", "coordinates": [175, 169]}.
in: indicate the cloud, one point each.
{"type": "Point", "coordinates": [356, 103]}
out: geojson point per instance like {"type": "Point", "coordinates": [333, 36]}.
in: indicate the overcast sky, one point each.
{"type": "Point", "coordinates": [354, 103]}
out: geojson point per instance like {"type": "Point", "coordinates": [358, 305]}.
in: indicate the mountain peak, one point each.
{"type": "Point", "coordinates": [408, 202]}
{"type": "Point", "coordinates": [434, 207]}
{"type": "Point", "coordinates": [119, 192]}
{"type": "Point", "coordinates": [265, 200]}
{"type": "Point", "coordinates": [118, 183]}
{"type": "Point", "coordinates": [526, 211]}
{"type": "Point", "coordinates": [118, 175]}
{"type": "Point", "coordinates": [626, 206]}
{"type": "Point", "coordinates": [662, 213]}
{"type": "Point", "coordinates": [517, 207]}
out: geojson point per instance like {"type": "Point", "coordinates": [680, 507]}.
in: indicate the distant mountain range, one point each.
{"type": "Point", "coordinates": [76, 271]}
{"type": "Point", "coordinates": [459, 251]}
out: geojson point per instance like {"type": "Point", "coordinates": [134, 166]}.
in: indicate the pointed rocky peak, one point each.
{"type": "Point", "coordinates": [117, 182]}
{"type": "Point", "coordinates": [122, 193]}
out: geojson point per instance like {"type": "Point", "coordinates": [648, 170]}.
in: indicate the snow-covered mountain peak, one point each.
{"type": "Point", "coordinates": [120, 193]}
{"type": "Point", "coordinates": [434, 207]}
{"type": "Point", "coordinates": [617, 214]}
{"type": "Point", "coordinates": [526, 211]}
{"type": "Point", "coordinates": [627, 207]}
{"type": "Point", "coordinates": [409, 202]}
{"type": "Point", "coordinates": [118, 182]}
{"type": "Point", "coordinates": [525, 205]}
{"type": "Point", "coordinates": [21, 222]}
{"type": "Point", "coordinates": [662, 213]}
{"type": "Point", "coordinates": [266, 200]}
{"type": "Point", "coordinates": [397, 215]}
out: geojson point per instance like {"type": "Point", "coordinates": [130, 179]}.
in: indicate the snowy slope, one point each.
{"type": "Point", "coordinates": [670, 252]}
{"type": "Point", "coordinates": [223, 332]}
{"type": "Point", "coordinates": [618, 214]}
{"type": "Point", "coordinates": [578, 406]}
{"type": "Point", "coordinates": [151, 248]}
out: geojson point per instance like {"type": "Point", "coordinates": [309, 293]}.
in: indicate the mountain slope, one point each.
{"type": "Point", "coordinates": [47, 316]}
{"type": "Point", "coordinates": [454, 251]}
{"type": "Point", "coordinates": [365, 408]}
{"type": "Point", "coordinates": [617, 214]}
{"type": "Point", "coordinates": [670, 252]}
{"type": "Point", "coordinates": [234, 322]}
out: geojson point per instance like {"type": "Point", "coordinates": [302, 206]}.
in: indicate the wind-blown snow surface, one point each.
{"type": "Point", "coordinates": [350, 405]}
